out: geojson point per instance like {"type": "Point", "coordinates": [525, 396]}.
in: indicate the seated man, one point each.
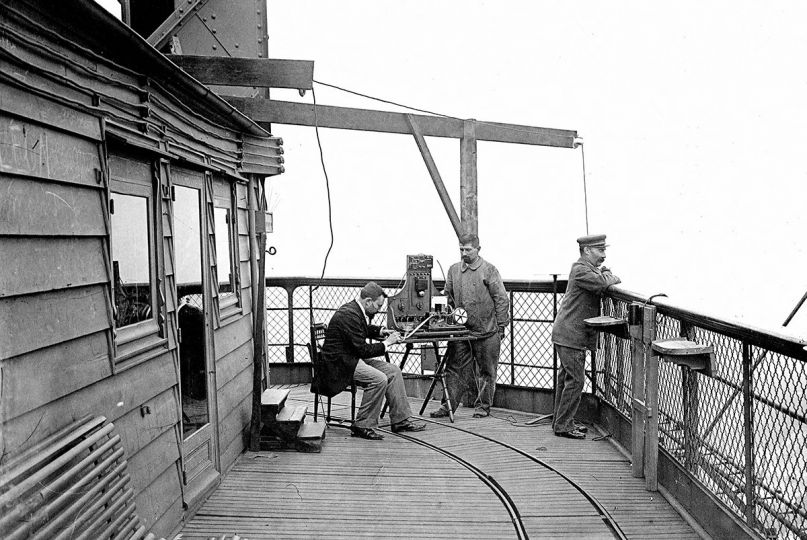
{"type": "Point", "coordinates": [347, 356]}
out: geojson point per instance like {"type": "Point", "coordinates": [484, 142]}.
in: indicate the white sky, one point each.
{"type": "Point", "coordinates": [692, 113]}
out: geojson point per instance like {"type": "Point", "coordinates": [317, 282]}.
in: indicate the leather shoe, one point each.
{"type": "Point", "coordinates": [573, 434]}
{"type": "Point", "coordinates": [406, 425]}
{"type": "Point", "coordinates": [580, 427]}
{"type": "Point", "coordinates": [439, 413]}
{"type": "Point", "coordinates": [481, 413]}
{"type": "Point", "coordinates": [366, 433]}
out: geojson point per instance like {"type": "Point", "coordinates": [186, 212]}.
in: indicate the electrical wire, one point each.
{"type": "Point", "coordinates": [355, 93]}
{"type": "Point", "coordinates": [500, 126]}
{"type": "Point", "coordinates": [327, 188]}
{"type": "Point", "coordinates": [374, 98]}
{"type": "Point", "coordinates": [585, 190]}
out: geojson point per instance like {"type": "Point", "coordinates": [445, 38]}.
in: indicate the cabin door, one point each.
{"type": "Point", "coordinates": [197, 376]}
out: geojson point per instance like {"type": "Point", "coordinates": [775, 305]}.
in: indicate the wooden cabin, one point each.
{"type": "Point", "coordinates": [128, 251]}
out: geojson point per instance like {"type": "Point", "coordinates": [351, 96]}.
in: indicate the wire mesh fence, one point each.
{"type": "Point", "coordinates": [526, 356]}
{"type": "Point", "coordinates": [740, 431]}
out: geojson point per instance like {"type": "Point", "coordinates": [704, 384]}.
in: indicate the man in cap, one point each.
{"type": "Point", "coordinates": [347, 356]}
{"type": "Point", "coordinates": [475, 285]}
{"type": "Point", "coordinates": [587, 282]}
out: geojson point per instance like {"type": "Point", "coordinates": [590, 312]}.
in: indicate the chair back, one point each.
{"type": "Point", "coordinates": [314, 349]}
{"type": "Point", "coordinates": [317, 339]}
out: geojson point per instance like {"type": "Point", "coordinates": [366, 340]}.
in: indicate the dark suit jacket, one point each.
{"type": "Point", "coordinates": [345, 343]}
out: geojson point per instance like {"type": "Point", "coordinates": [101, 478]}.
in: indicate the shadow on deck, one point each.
{"type": "Point", "coordinates": [497, 477]}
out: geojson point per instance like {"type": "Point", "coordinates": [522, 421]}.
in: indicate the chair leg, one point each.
{"type": "Point", "coordinates": [353, 403]}
{"type": "Point", "coordinates": [316, 406]}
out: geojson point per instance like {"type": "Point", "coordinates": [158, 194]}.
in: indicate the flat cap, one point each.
{"type": "Point", "coordinates": [592, 240]}
{"type": "Point", "coordinates": [372, 290]}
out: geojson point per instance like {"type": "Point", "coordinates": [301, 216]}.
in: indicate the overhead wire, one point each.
{"type": "Point", "coordinates": [389, 102]}
{"type": "Point", "coordinates": [327, 187]}
{"type": "Point", "coordinates": [585, 188]}
{"type": "Point", "coordinates": [499, 126]}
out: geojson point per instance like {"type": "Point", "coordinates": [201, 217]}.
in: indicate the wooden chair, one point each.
{"type": "Point", "coordinates": [314, 348]}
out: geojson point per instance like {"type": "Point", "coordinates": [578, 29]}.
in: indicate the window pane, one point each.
{"type": "Point", "coordinates": [131, 259]}
{"type": "Point", "coordinates": [224, 265]}
{"type": "Point", "coordinates": [191, 318]}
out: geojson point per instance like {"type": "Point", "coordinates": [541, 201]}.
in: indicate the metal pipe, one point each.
{"type": "Point", "coordinates": [15, 492]}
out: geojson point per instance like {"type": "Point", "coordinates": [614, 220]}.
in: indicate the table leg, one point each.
{"type": "Point", "coordinates": [440, 373]}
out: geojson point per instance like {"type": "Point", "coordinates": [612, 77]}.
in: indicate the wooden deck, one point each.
{"type": "Point", "coordinates": [543, 487]}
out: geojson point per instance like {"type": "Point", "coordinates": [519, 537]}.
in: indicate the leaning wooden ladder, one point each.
{"type": "Point", "coordinates": [73, 484]}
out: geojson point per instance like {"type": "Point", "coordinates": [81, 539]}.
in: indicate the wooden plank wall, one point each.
{"type": "Point", "coordinates": [56, 330]}
{"type": "Point", "coordinates": [234, 351]}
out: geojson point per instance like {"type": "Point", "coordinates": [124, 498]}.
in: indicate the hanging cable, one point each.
{"type": "Point", "coordinates": [355, 93]}
{"type": "Point", "coordinates": [327, 188]}
{"type": "Point", "coordinates": [579, 142]}
{"type": "Point", "coordinates": [382, 100]}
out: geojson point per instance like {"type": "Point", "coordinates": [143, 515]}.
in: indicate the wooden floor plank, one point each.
{"type": "Point", "coordinates": [396, 488]}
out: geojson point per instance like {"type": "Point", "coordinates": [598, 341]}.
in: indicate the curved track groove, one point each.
{"type": "Point", "coordinates": [501, 493]}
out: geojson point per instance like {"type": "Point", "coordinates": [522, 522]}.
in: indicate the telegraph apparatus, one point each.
{"type": "Point", "coordinates": [419, 310]}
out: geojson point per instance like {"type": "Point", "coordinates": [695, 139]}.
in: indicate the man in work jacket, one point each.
{"type": "Point", "coordinates": [571, 336]}
{"type": "Point", "coordinates": [475, 285]}
{"type": "Point", "coordinates": [347, 356]}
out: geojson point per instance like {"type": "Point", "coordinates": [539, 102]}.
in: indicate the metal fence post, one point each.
{"type": "Point", "coordinates": [748, 435]}
{"type": "Point", "coordinates": [512, 342]}
{"type": "Point", "coordinates": [310, 305]}
{"type": "Point", "coordinates": [554, 317]}
{"type": "Point", "coordinates": [689, 401]}
{"type": "Point", "coordinates": [290, 347]}
{"type": "Point", "coordinates": [638, 402]}
{"type": "Point", "coordinates": [651, 395]}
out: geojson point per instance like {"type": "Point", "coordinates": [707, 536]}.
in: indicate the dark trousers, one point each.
{"type": "Point", "coordinates": [471, 366]}
{"type": "Point", "coordinates": [569, 387]}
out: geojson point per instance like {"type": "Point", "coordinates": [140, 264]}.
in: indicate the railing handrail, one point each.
{"type": "Point", "coordinates": [517, 285]}
{"type": "Point", "coordinates": [768, 339]}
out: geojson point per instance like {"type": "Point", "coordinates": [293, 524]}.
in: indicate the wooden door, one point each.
{"type": "Point", "coordinates": [194, 318]}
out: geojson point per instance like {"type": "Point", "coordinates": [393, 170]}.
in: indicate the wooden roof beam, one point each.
{"type": "Point", "coordinates": [302, 114]}
{"type": "Point", "coordinates": [260, 72]}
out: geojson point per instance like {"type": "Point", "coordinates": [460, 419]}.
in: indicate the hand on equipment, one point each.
{"type": "Point", "coordinates": [392, 339]}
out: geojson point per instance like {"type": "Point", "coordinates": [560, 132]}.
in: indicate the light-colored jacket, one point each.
{"type": "Point", "coordinates": [478, 288]}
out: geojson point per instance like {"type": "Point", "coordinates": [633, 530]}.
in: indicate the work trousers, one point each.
{"type": "Point", "coordinates": [471, 366]}
{"type": "Point", "coordinates": [380, 379]}
{"type": "Point", "coordinates": [569, 387]}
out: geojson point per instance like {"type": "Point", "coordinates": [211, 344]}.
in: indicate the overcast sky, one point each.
{"type": "Point", "coordinates": [693, 118]}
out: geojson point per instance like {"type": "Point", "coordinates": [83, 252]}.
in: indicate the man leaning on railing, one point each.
{"type": "Point", "coordinates": [571, 336]}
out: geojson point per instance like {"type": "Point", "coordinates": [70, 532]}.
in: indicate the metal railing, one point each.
{"type": "Point", "coordinates": [741, 432]}
{"type": "Point", "coordinates": [526, 357]}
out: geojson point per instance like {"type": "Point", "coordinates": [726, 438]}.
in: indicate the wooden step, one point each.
{"type": "Point", "coordinates": [292, 414]}
{"type": "Point", "coordinates": [310, 437]}
{"type": "Point", "coordinates": [272, 400]}
{"type": "Point", "coordinates": [286, 423]}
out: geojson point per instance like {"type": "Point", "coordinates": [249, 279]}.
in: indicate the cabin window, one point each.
{"type": "Point", "coordinates": [131, 259]}
{"type": "Point", "coordinates": [133, 242]}
{"type": "Point", "coordinates": [225, 224]}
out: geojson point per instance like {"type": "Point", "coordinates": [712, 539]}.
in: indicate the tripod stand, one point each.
{"type": "Point", "coordinates": [439, 372]}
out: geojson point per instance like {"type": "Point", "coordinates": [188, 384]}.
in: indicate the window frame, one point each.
{"type": "Point", "coordinates": [135, 343]}
{"type": "Point", "coordinates": [224, 197]}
